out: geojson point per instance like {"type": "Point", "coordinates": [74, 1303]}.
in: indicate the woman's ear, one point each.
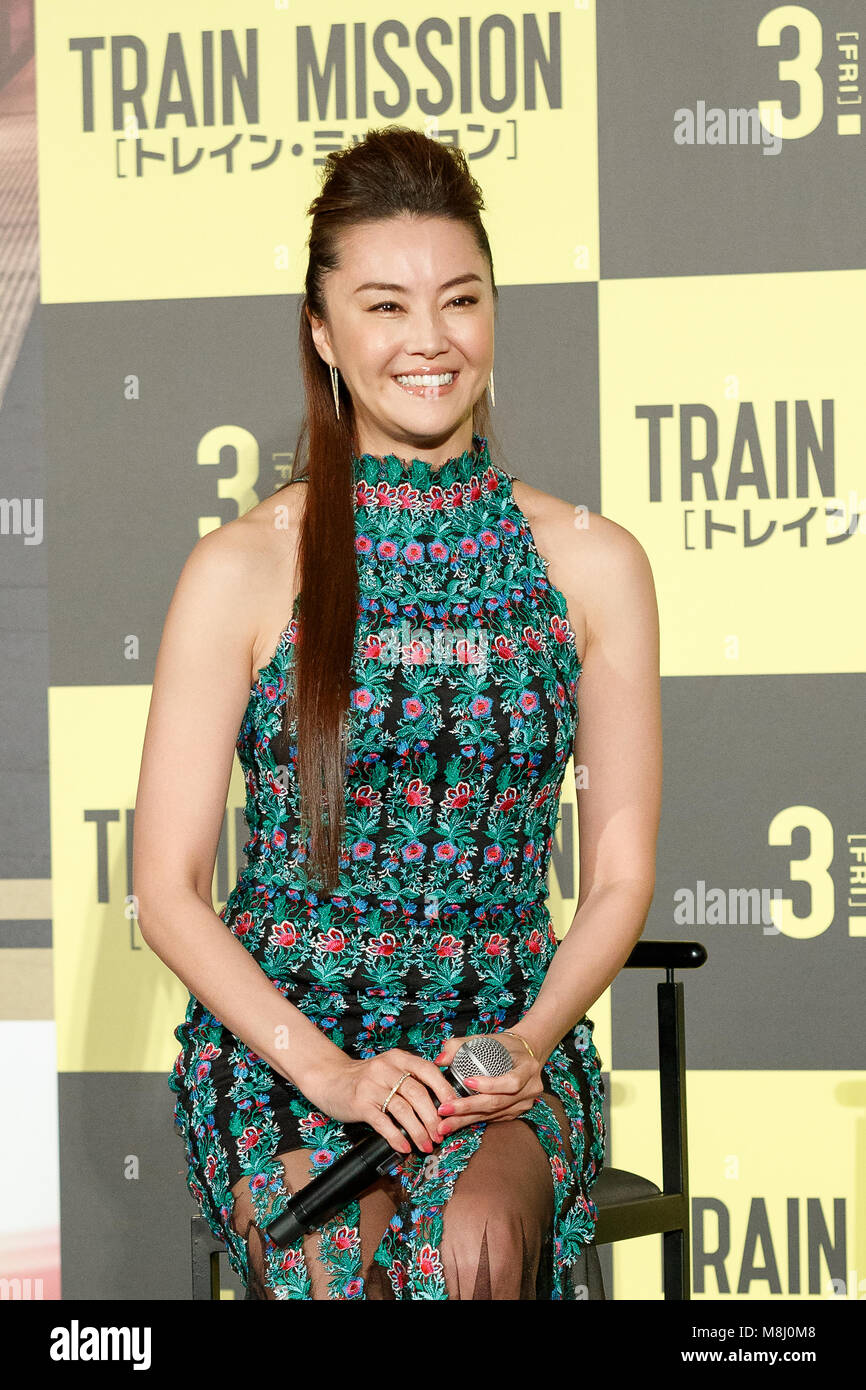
{"type": "Point", "coordinates": [319, 331]}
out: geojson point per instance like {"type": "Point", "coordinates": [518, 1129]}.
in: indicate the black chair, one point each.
{"type": "Point", "coordinates": [207, 1280]}
{"type": "Point", "coordinates": [628, 1205]}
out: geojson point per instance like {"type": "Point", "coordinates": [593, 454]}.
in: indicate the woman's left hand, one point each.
{"type": "Point", "coordinates": [495, 1097]}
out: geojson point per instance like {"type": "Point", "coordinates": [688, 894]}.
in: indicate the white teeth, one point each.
{"type": "Point", "coordinates": [428, 379]}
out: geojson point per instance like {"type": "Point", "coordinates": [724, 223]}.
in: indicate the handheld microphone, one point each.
{"type": "Point", "coordinates": [356, 1170]}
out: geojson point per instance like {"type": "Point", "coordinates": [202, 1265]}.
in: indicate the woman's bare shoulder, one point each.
{"type": "Point", "coordinates": [245, 570]}
{"type": "Point", "coordinates": [590, 557]}
{"type": "Point", "coordinates": [575, 531]}
{"type": "Point", "coordinates": [243, 549]}
{"type": "Point", "coordinates": [268, 533]}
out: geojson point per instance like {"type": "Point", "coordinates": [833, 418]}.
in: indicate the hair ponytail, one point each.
{"type": "Point", "coordinates": [396, 171]}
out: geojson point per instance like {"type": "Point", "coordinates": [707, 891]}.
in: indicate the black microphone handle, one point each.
{"type": "Point", "coordinates": [332, 1189]}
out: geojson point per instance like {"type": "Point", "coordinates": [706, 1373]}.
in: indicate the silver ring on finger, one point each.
{"type": "Point", "coordinates": [384, 1106]}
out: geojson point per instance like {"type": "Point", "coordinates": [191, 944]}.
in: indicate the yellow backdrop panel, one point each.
{"type": "Point", "coordinates": [758, 1140]}
{"type": "Point", "coordinates": [192, 222]}
{"type": "Point", "coordinates": [736, 345]}
{"type": "Point", "coordinates": [116, 1004]}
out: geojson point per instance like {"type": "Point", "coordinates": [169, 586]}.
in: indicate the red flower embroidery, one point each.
{"type": "Point", "coordinates": [458, 796]}
{"type": "Point", "coordinates": [418, 792]}
{"type": "Point", "coordinates": [428, 1260]}
{"type": "Point", "coordinates": [496, 945]}
{"type": "Point", "coordinates": [384, 945]}
{"type": "Point", "coordinates": [366, 796]}
{"type": "Point", "coordinates": [448, 946]}
{"type": "Point", "coordinates": [249, 1139]}
{"type": "Point", "coordinates": [332, 940]}
{"type": "Point", "coordinates": [284, 934]}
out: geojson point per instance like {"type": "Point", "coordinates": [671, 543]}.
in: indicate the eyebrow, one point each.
{"type": "Point", "coordinates": [401, 289]}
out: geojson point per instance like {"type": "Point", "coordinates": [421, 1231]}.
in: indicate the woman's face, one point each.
{"type": "Point", "coordinates": [412, 297]}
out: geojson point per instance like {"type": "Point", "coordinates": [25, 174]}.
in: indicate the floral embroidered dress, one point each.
{"type": "Point", "coordinates": [461, 726]}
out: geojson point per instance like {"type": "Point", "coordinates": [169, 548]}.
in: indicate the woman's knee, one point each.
{"type": "Point", "coordinates": [492, 1254]}
{"type": "Point", "coordinates": [498, 1217]}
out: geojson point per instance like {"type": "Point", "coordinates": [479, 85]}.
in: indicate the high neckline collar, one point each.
{"type": "Point", "coordinates": [418, 473]}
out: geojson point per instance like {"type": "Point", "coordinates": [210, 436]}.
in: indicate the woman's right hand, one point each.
{"type": "Point", "coordinates": [354, 1090]}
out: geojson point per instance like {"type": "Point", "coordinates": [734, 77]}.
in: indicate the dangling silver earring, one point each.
{"type": "Point", "coordinates": [490, 388]}
{"type": "Point", "coordinates": [335, 387]}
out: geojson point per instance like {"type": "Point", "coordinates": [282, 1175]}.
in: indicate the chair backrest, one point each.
{"type": "Point", "coordinates": [630, 1205]}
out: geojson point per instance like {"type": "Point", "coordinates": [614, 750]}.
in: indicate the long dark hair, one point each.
{"type": "Point", "coordinates": [394, 170]}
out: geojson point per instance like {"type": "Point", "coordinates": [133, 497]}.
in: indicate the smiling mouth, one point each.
{"type": "Point", "coordinates": [426, 383]}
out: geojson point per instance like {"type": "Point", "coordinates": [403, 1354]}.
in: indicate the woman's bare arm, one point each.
{"type": "Point", "coordinates": [619, 743]}
{"type": "Point", "coordinates": [200, 691]}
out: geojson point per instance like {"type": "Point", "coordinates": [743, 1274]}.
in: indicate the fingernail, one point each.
{"type": "Point", "coordinates": [445, 1129]}
{"type": "Point", "coordinates": [470, 1081]}
{"type": "Point", "coordinates": [428, 1146]}
{"type": "Point", "coordinates": [446, 1109]}
{"type": "Point", "coordinates": [405, 1146]}
{"type": "Point", "coordinates": [440, 1058]}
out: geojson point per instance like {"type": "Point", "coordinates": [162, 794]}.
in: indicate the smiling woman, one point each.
{"type": "Point", "coordinates": [454, 332]}
{"type": "Point", "coordinates": [401, 814]}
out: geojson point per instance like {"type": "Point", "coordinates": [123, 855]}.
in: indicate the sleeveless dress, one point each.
{"type": "Point", "coordinates": [461, 725]}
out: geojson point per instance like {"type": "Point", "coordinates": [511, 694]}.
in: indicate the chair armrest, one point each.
{"type": "Point", "coordinates": [666, 955]}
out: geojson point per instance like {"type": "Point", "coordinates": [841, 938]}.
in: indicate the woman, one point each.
{"type": "Point", "coordinates": [401, 811]}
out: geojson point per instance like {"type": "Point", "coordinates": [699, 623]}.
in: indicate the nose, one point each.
{"type": "Point", "coordinates": [427, 336]}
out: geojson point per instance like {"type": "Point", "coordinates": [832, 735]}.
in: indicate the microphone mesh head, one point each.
{"type": "Point", "coordinates": [484, 1056]}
